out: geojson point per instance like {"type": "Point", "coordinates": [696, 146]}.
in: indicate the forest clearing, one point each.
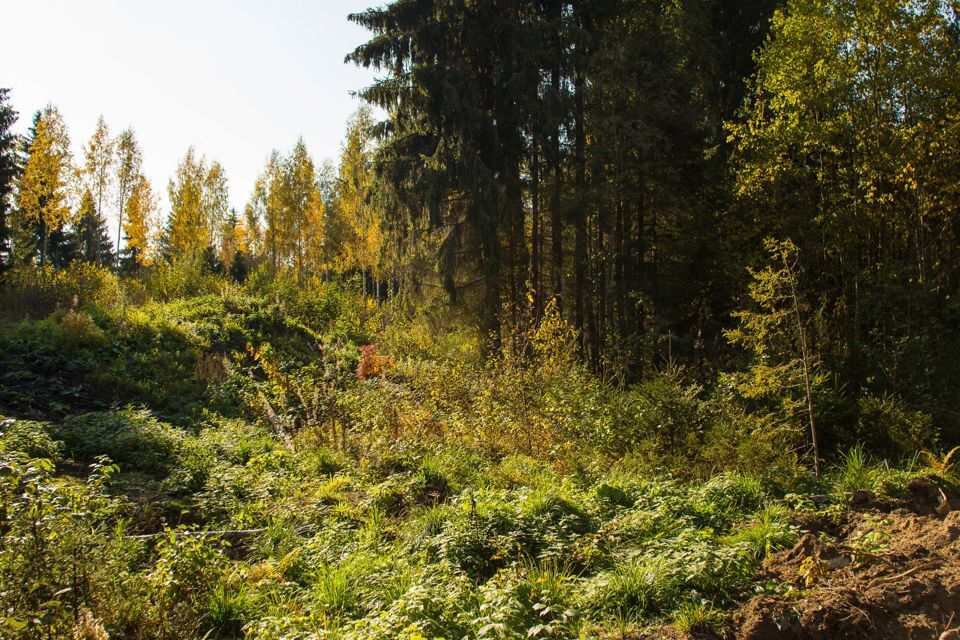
{"type": "Point", "coordinates": [613, 320]}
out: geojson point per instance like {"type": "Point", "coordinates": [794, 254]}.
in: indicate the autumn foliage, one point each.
{"type": "Point", "coordinates": [372, 364]}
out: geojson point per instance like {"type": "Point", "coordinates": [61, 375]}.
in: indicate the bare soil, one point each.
{"type": "Point", "coordinates": [891, 570]}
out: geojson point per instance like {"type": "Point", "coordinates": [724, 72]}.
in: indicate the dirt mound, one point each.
{"type": "Point", "coordinates": [892, 572]}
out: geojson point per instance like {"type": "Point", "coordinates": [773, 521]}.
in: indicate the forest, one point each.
{"type": "Point", "coordinates": [613, 319]}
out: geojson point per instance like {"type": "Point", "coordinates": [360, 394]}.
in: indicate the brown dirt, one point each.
{"type": "Point", "coordinates": [892, 570]}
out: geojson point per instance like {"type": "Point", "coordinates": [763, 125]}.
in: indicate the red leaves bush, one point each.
{"type": "Point", "coordinates": [372, 364]}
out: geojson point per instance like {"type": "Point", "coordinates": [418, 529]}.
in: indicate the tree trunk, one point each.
{"type": "Point", "coordinates": [535, 234]}
{"type": "Point", "coordinates": [556, 218]}
{"type": "Point", "coordinates": [580, 215]}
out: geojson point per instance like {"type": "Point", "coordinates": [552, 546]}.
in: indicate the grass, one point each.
{"type": "Point", "coordinates": [636, 589]}
{"type": "Point", "coordinates": [700, 618]}
{"type": "Point", "coordinates": [767, 530]}
{"type": "Point", "coordinates": [227, 611]}
{"type": "Point", "coordinates": [854, 471]}
{"type": "Point", "coordinates": [385, 527]}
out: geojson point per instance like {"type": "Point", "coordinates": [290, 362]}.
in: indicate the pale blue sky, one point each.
{"type": "Point", "coordinates": [233, 78]}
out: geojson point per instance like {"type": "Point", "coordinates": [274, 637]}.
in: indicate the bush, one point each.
{"type": "Point", "coordinates": [28, 292]}
{"type": "Point", "coordinates": [28, 438]}
{"type": "Point", "coordinates": [742, 441]}
{"type": "Point", "coordinates": [55, 556]}
{"type": "Point", "coordinates": [131, 437]}
{"type": "Point", "coordinates": [528, 601]}
{"type": "Point", "coordinates": [660, 415]}
{"type": "Point", "coordinates": [182, 278]}
{"type": "Point", "coordinates": [888, 427]}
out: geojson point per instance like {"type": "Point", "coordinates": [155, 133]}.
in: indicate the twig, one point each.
{"type": "Point", "coordinates": [873, 556]}
{"type": "Point", "coordinates": [883, 579]}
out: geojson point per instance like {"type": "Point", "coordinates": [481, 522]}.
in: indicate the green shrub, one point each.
{"type": "Point", "coordinates": [28, 292]}
{"type": "Point", "coordinates": [660, 415]}
{"type": "Point", "coordinates": [28, 438]}
{"type": "Point", "coordinates": [131, 437]}
{"type": "Point", "coordinates": [182, 278]}
{"type": "Point", "coordinates": [888, 427]}
{"type": "Point", "coordinates": [742, 440]}
{"type": "Point", "coordinates": [187, 568]}
{"type": "Point", "coordinates": [55, 556]}
{"type": "Point", "coordinates": [528, 601]}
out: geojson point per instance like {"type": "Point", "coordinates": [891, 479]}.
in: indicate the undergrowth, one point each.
{"type": "Point", "coordinates": [233, 464]}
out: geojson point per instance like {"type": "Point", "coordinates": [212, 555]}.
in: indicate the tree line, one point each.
{"type": "Point", "coordinates": [664, 172]}
{"type": "Point", "coordinates": [54, 210]}
{"type": "Point", "coordinates": [762, 193]}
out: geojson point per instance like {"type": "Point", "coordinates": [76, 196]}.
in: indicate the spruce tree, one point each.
{"type": "Point", "coordinates": [210, 261]}
{"type": "Point", "coordinates": [9, 170]}
{"type": "Point", "coordinates": [459, 81]}
{"type": "Point", "coordinates": [90, 235]}
{"type": "Point", "coordinates": [63, 247]}
{"type": "Point", "coordinates": [239, 267]}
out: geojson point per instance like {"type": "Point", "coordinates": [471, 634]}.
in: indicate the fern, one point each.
{"type": "Point", "coordinates": [944, 464]}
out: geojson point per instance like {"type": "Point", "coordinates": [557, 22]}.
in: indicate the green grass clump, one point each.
{"type": "Point", "coordinates": [226, 612]}
{"type": "Point", "coordinates": [699, 617]}
{"type": "Point", "coordinates": [636, 589]}
{"type": "Point", "coordinates": [767, 531]}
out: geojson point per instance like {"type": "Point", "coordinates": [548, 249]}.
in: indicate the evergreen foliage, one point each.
{"type": "Point", "coordinates": [9, 171]}
{"type": "Point", "coordinates": [90, 234]}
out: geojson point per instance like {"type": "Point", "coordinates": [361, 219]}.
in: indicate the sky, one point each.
{"type": "Point", "coordinates": [233, 78]}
